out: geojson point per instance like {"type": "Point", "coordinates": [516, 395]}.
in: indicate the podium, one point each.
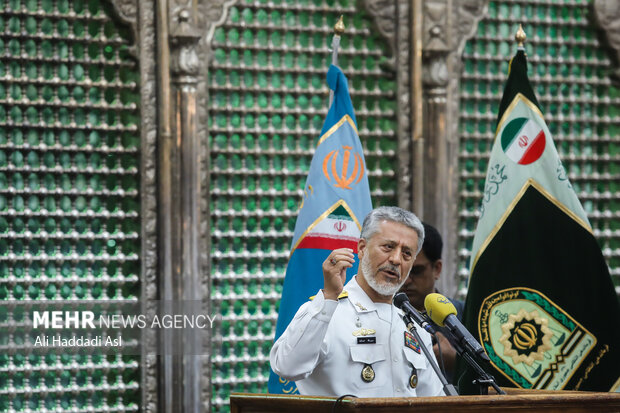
{"type": "Point", "coordinates": [517, 400]}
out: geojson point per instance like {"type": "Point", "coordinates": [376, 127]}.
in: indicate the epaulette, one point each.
{"type": "Point", "coordinates": [342, 295]}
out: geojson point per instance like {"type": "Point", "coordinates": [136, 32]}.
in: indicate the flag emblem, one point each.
{"type": "Point", "coordinates": [523, 140]}
{"type": "Point", "coordinates": [526, 337]}
{"type": "Point", "coordinates": [344, 179]}
{"type": "Point", "coordinates": [531, 340]}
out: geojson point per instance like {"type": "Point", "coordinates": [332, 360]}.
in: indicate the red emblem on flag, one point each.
{"type": "Point", "coordinates": [340, 226]}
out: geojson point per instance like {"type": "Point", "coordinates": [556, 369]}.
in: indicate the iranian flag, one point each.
{"type": "Point", "coordinates": [523, 140]}
{"type": "Point", "coordinates": [337, 230]}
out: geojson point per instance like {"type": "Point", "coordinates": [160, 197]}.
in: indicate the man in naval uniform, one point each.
{"type": "Point", "coordinates": [350, 339]}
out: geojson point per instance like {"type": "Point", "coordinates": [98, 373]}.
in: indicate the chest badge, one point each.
{"type": "Point", "coordinates": [368, 374]}
{"type": "Point", "coordinates": [413, 379]}
{"type": "Point", "coordinates": [411, 342]}
{"type": "Point", "coordinates": [364, 332]}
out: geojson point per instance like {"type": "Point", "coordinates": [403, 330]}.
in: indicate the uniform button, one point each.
{"type": "Point", "coordinates": [323, 312]}
{"type": "Point", "coordinates": [395, 359]}
{"type": "Point", "coordinates": [399, 390]}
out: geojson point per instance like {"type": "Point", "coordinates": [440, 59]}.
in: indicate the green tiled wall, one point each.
{"type": "Point", "coordinates": [69, 201]}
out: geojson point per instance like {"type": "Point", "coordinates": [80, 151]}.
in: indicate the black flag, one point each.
{"type": "Point", "coordinates": [540, 297]}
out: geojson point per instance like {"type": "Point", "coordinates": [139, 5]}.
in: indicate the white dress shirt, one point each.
{"type": "Point", "coordinates": [321, 354]}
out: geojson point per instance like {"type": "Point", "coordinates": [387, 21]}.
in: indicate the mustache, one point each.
{"type": "Point", "coordinates": [391, 268]}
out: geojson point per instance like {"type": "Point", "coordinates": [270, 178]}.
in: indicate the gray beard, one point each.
{"type": "Point", "coordinates": [385, 289]}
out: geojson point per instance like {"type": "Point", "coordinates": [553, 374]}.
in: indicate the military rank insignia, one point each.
{"type": "Point", "coordinates": [411, 342]}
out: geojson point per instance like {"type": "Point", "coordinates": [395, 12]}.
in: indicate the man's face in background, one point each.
{"type": "Point", "coordinates": [421, 280]}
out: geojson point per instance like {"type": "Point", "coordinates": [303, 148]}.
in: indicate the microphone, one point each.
{"type": "Point", "coordinates": [402, 301]}
{"type": "Point", "coordinates": [443, 313]}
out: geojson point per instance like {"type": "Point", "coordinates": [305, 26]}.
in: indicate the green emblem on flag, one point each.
{"type": "Point", "coordinates": [523, 140]}
{"type": "Point", "coordinates": [532, 340]}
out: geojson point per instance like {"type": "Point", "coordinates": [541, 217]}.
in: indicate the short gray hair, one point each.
{"type": "Point", "coordinates": [394, 214]}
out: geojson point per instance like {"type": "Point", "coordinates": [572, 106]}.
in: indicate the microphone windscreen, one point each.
{"type": "Point", "coordinates": [438, 308]}
{"type": "Point", "coordinates": [399, 299]}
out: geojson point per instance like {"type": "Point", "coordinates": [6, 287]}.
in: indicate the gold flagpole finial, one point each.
{"type": "Point", "coordinates": [338, 30]}
{"type": "Point", "coordinates": [339, 26]}
{"type": "Point", "coordinates": [520, 36]}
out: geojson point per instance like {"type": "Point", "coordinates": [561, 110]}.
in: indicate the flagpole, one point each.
{"type": "Point", "coordinates": [338, 30]}
{"type": "Point", "coordinates": [520, 37]}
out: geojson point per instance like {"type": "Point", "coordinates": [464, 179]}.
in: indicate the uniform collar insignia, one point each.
{"type": "Point", "coordinates": [361, 302]}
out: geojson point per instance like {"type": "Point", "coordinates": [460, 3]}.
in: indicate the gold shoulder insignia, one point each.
{"type": "Point", "coordinates": [342, 295]}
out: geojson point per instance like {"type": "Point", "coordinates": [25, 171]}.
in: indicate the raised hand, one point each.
{"type": "Point", "coordinates": [335, 271]}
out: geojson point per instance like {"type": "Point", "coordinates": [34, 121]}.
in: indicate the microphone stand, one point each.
{"type": "Point", "coordinates": [484, 379]}
{"type": "Point", "coordinates": [448, 388]}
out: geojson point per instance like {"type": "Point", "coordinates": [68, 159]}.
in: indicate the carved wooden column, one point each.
{"type": "Point", "coordinates": [416, 182]}
{"type": "Point", "coordinates": [181, 192]}
{"type": "Point", "coordinates": [139, 16]}
{"type": "Point", "coordinates": [439, 160]}
{"type": "Point", "coordinates": [447, 24]}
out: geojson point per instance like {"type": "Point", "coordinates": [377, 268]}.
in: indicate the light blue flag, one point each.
{"type": "Point", "coordinates": [336, 201]}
